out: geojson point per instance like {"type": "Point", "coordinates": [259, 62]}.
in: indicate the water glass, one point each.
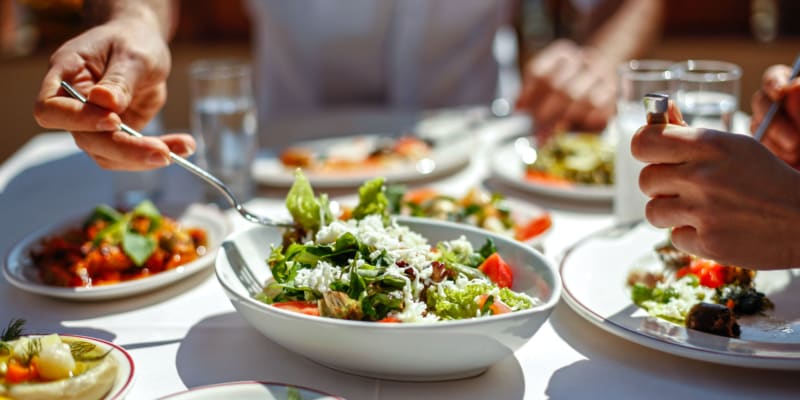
{"type": "Point", "coordinates": [224, 123]}
{"type": "Point", "coordinates": [636, 78]}
{"type": "Point", "coordinates": [708, 92]}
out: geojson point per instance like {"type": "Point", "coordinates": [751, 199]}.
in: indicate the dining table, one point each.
{"type": "Point", "coordinates": [188, 334]}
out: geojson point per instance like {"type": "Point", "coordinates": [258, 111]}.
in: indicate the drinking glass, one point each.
{"type": "Point", "coordinates": [636, 78]}
{"type": "Point", "coordinates": [707, 92]}
{"type": "Point", "coordinates": [224, 123]}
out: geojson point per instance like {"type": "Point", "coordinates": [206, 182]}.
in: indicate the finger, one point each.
{"type": "Point", "coordinates": [54, 109]}
{"type": "Point", "coordinates": [115, 89]}
{"type": "Point", "coordinates": [181, 144]}
{"type": "Point", "coordinates": [789, 156]}
{"type": "Point", "coordinates": [666, 212]}
{"type": "Point", "coordinates": [661, 180]}
{"type": "Point", "coordinates": [666, 144]}
{"type": "Point", "coordinates": [124, 152]}
{"type": "Point", "coordinates": [580, 106]}
{"type": "Point", "coordinates": [686, 238]}
{"type": "Point", "coordinates": [674, 115]}
{"type": "Point", "coordinates": [774, 79]}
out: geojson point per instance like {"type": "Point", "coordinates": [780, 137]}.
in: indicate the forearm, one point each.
{"type": "Point", "coordinates": [630, 32]}
{"type": "Point", "coordinates": [157, 13]}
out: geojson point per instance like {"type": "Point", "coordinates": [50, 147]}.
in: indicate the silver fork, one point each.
{"type": "Point", "coordinates": [199, 172]}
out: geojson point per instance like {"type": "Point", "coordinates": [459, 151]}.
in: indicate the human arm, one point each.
{"type": "Point", "coordinates": [121, 66]}
{"type": "Point", "coordinates": [725, 195]}
{"type": "Point", "coordinates": [783, 135]}
{"type": "Point", "coordinates": [569, 86]}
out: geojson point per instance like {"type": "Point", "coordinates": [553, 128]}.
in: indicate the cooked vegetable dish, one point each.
{"type": "Point", "coordinates": [52, 367]}
{"type": "Point", "coordinates": [112, 247]}
{"type": "Point", "coordinates": [570, 158]}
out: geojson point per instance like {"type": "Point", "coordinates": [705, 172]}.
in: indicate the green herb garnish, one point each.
{"type": "Point", "coordinates": [13, 331]}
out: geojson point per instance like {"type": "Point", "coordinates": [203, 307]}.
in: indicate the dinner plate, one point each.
{"type": "Point", "coordinates": [594, 273]}
{"type": "Point", "coordinates": [20, 272]}
{"type": "Point", "coordinates": [506, 163]}
{"type": "Point", "coordinates": [251, 390]}
{"type": "Point", "coordinates": [445, 157]}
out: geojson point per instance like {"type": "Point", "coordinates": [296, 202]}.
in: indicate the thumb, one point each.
{"type": "Point", "coordinates": [115, 89]}
{"type": "Point", "coordinates": [674, 115]}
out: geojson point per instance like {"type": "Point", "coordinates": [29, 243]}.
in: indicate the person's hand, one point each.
{"type": "Point", "coordinates": [568, 87]}
{"type": "Point", "coordinates": [783, 135]}
{"type": "Point", "coordinates": [121, 67]}
{"type": "Point", "coordinates": [725, 195]}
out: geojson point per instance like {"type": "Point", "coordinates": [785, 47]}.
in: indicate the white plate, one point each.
{"type": "Point", "coordinates": [125, 368]}
{"type": "Point", "coordinates": [444, 158]}
{"type": "Point", "coordinates": [506, 163]}
{"type": "Point", "coordinates": [19, 270]}
{"type": "Point", "coordinates": [594, 272]}
{"type": "Point", "coordinates": [250, 390]}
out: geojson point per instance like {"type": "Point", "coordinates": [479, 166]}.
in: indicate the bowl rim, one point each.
{"type": "Point", "coordinates": [546, 306]}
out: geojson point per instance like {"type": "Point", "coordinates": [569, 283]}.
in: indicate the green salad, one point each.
{"type": "Point", "coordinates": [371, 268]}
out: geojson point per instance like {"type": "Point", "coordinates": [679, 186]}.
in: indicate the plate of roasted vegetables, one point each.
{"type": "Point", "coordinates": [392, 287]}
{"type": "Point", "coordinates": [57, 366]}
{"type": "Point", "coordinates": [349, 161]}
{"type": "Point", "coordinates": [631, 281]}
{"type": "Point", "coordinates": [570, 165]}
{"type": "Point", "coordinates": [109, 253]}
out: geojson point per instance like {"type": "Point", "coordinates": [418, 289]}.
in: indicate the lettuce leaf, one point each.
{"type": "Point", "coordinates": [462, 303]}
{"type": "Point", "coordinates": [307, 210]}
{"type": "Point", "coordinates": [372, 200]}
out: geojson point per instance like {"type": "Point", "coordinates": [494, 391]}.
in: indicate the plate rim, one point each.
{"type": "Point", "coordinates": [117, 290]}
{"type": "Point", "coordinates": [590, 193]}
{"type": "Point", "coordinates": [286, 178]}
{"type": "Point", "coordinates": [653, 342]}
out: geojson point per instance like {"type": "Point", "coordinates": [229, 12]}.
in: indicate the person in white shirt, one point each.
{"type": "Point", "coordinates": [314, 55]}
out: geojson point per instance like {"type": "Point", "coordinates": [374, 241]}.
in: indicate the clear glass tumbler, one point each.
{"type": "Point", "coordinates": [224, 123]}
{"type": "Point", "coordinates": [636, 78]}
{"type": "Point", "coordinates": [708, 92]}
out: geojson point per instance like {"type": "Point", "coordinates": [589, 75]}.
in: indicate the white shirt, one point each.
{"type": "Point", "coordinates": [315, 55]}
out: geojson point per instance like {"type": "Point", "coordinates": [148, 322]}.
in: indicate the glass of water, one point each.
{"type": "Point", "coordinates": [636, 78]}
{"type": "Point", "coordinates": [224, 123]}
{"type": "Point", "coordinates": [707, 92]}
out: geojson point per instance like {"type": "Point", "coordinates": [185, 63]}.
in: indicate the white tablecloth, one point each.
{"type": "Point", "coordinates": [189, 335]}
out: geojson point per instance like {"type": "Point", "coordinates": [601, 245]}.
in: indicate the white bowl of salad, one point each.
{"type": "Point", "coordinates": [388, 297]}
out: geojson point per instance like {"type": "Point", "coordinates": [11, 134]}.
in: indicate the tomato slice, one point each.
{"type": "Point", "coordinates": [496, 307]}
{"type": "Point", "coordinates": [498, 271]}
{"type": "Point", "coordinates": [709, 273]}
{"type": "Point", "coordinates": [302, 307]}
{"type": "Point", "coordinates": [390, 320]}
{"type": "Point", "coordinates": [533, 228]}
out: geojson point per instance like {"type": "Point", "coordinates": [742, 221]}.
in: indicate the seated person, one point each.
{"type": "Point", "coordinates": [311, 55]}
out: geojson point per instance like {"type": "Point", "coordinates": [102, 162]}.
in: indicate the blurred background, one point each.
{"type": "Point", "coordinates": [751, 33]}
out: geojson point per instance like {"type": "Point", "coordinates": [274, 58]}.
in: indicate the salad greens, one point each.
{"type": "Point", "coordinates": [370, 268]}
{"type": "Point", "coordinates": [308, 211]}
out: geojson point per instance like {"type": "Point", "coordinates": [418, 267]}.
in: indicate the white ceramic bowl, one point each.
{"type": "Point", "coordinates": [416, 352]}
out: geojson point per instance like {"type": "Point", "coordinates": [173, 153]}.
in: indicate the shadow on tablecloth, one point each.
{"type": "Point", "coordinates": [224, 348]}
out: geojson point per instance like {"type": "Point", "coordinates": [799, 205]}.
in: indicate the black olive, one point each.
{"type": "Point", "coordinates": [712, 318]}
